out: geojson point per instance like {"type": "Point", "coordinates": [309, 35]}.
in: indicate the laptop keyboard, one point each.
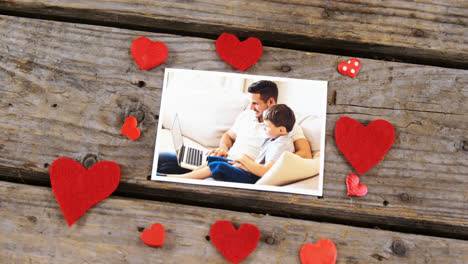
{"type": "Point", "coordinates": [192, 156]}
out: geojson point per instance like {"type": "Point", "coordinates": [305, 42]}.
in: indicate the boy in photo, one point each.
{"type": "Point", "coordinates": [279, 121]}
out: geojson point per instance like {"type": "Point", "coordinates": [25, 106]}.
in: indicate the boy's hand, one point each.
{"type": "Point", "coordinates": [238, 165]}
{"type": "Point", "coordinates": [219, 152]}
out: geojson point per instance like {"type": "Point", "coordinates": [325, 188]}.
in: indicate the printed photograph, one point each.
{"type": "Point", "coordinates": [241, 131]}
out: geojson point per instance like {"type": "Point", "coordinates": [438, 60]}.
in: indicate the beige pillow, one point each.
{"type": "Point", "coordinates": [290, 168]}
{"type": "Point", "coordinates": [312, 127]}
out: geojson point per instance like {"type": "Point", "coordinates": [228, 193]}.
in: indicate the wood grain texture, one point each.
{"type": "Point", "coordinates": [66, 89]}
{"type": "Point", "coordinates": [33, 230]}
{"type": "Point", "coordinates": [420, 31]}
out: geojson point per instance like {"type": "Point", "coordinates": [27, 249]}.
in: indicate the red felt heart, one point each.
{"type": "Point", "coordinates": [129, 128]}
{"type": "Point", "coordinates": [350, 67]}
{"type": "Point", "coordinates": [354, 187]}
{"type": "Point", "coordinates": [240, 55]}
{"type": "Point", "coordinates": [363, 146]}
{"type": "Point", "coordinates": [77, 189]}
{"type": "Point", "coordinates": [322, 252]}
{"type": "Point", "coordinates": [235, 245]}
{"type": "Point", "coordinates": [154, 237]}
{"type": "Point", "coordinates": [148, 54]}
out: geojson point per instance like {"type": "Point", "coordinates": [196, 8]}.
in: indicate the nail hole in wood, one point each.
{"type": "Point", "coordinates": [10, 105]}
{"type": "Point", "coordinates": [385, 203]}
{"type": "Point", "coordinates": [140, 229]}
{"type": "Point", "coordinates": [141, 84]}
{"type": "Point", "coordinates": [465, 145]}
{"type": "Point", "coordinates": [399, 248]}
{"type": "Point", "coordinates": [405, 197]}
{"type": "Point", "coordinates": [46, 165]}
{"type": "Point", "coordinates": [207, 238]}
{"type": "Point", "coordinates": [138, 114]}
{"type": "Point", "coordinates": [54, 105]}
{"type": "Point", "coordinates": [418, 33]}
{"type": "Point", "coordinates": [32, 219]}
{"type": "Point", "coordinates": [319, 197]}
{"type": "Point", "coordinates": [270, 240]}
{"type": "Point", "coordinates": [148, 177]}
{"type": "Point", "coordinates": [89, 160]}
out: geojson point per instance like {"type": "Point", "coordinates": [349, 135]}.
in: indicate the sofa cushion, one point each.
{"type": "Point", "coordinates": [206, 107]}
{"type": "Point", "coordinates": [290, 168]}
{"type": "Point", "coordinates": [312, 127]}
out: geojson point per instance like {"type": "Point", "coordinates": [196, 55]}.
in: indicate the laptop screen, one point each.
{"type": "Point", "coordinates": [176, 134]}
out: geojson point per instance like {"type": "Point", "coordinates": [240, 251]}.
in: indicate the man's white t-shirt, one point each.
{"type": "Point", "coordinates": [250, 135]}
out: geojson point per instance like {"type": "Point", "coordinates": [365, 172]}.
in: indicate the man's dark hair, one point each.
{"type": "Point", "coordinates": [266, 89]}
{"type": "Point", "coordinates": [280, 115]}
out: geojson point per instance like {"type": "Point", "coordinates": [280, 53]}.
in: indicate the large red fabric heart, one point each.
{"type": "Point", "coordinates": [349, 68]}
{"type": "Point", "coordinates": [364, 147]}
{"type": "Point", "coordinates": [322, 252]}
{"type": "Point", "coordinates": [77, 189]}
{"type": "Point", "coordinates": [240, 55]}
{"type": "Point", "coordinates": [154, 236]}
{"type": "Point", "coordinates": [148, 54]}
{"type": "Point", "coordinates": [235, 245]}
{"type": "Point", "coordinates": [129, 128]}
{"type": "Point", "coordinates": [354, 187]}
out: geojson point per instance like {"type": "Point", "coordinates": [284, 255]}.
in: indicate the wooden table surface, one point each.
{"type": "Point", "coordinates": [68, 81]}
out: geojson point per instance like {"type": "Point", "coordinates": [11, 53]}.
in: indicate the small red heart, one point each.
{"type": "Point", "coordinates": [349, 68]}
{"type": "Point", "coordinates": [78, 189]}
{"type": "Point", "coordinates": [154, 236]}
{"type": "Point", "coordinates": [129, 128]}
{"type": "Point", "coordinates": [148, 54]}
{"type": "Point", "coordinates": [235, 245]}
{"type": "Point", "coordinates": [322, 252]}
{"type": "Point", "coordinates": [354, 187]}
{"type": "Point", "coordinates": [240, 55]}
{"type": "Point", "coordinates": [364, 147]}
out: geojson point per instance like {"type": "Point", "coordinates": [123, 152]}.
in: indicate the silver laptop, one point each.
{"type": "Point", "coordinates": [187, 157]}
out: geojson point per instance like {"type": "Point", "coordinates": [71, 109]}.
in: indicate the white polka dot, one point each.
{"type": "Point", "coordinates": [349, 62]}
{"type": "Point", "coordinates": [353, 71]}
{"type": "Point", "coordinates": [345, 68]}
{"type": "Point", "coordinates": [356, 63]}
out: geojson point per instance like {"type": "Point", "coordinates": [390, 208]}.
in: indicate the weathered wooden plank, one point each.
{"type": "Point", "coordinates": [420, 31]}
{"type": "Point", "coordinates": [67, 88]}
{"type": "Point", "coordinates": [110, 232]}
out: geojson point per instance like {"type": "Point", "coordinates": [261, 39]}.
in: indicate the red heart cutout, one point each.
{"type": "Point", "coordinates": [322, 252]}
{"type": "Point", "coordinates": [364, 147]}
{"type": "Point", "coordinates": [240, 55]}
{"type": "Point", "coordinates": [148, 54]}
{"type": "Point", "coordinates": [129, 128]}
{"type": "Point", "coordinates": [77, 189]}
{"type": "Point", "coordinates": [235, 245]}
{"type": "Point", "coordinates": [349, 68]}
{"type": "Point", "coordinates": [154, 236]}
{"type": "Point", "coordinates": [354, 187]}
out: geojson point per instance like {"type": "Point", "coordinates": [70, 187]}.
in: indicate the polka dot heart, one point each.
{"type": "Point", "coordinates": [349, 68]}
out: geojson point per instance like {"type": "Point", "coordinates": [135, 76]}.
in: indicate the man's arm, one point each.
{"type": "Point", "coordinates": [225, 144]}
{"type": "Point", "coordinates": [302, 147]}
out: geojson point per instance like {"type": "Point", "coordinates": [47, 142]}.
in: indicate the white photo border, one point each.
{"type": "Point", "coordinates": [323, 84]}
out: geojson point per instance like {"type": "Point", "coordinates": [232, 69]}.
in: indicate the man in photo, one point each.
{"type": "Point", "coordinates": [247, 133]}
